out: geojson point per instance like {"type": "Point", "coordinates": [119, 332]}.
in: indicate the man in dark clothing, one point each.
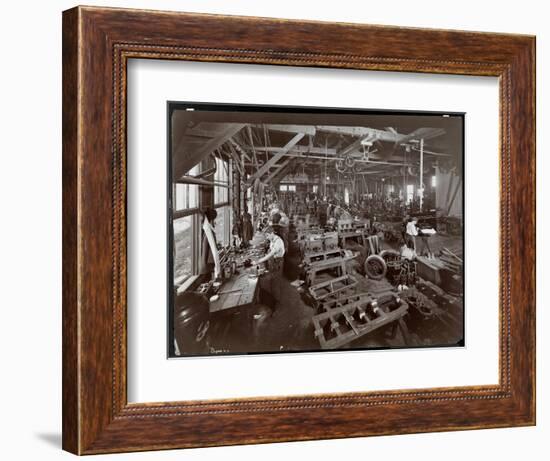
{"type": "Point", "coordinates": [322, 214]}
{"type": "Point", "coordinates": [248, 230]}
{"type": "Point", "coordinates": [279, 229]}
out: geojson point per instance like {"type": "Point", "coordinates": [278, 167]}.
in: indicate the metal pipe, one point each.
{"type": "Point", "coordinates": [334, 159]}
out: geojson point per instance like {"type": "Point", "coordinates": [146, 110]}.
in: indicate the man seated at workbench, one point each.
{"type": "Point", "coordinates": [270, 283]}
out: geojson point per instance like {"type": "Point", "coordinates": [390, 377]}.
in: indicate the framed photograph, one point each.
{"type": "Point", "coordinates": [280, 230]}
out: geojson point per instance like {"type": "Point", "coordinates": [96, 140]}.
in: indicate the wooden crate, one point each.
{"type": "Point", "coordinates": [333, 288]}
{"type": "Point", "coordinates": [338, 326]}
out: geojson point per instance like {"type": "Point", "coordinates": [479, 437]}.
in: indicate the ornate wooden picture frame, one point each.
{"type": "Point", "coordinates": [97, 44]}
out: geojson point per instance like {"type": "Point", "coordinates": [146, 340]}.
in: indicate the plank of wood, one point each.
{"type": "Point", "coordinates": [183, 161]}
{"type": "Point", "coordinates": [306, 129]}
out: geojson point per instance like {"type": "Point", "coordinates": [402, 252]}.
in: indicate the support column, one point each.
{"type": "Point", "coordinates": [236, 194]}
{"type": "Point", "coordinates": [421, 175]}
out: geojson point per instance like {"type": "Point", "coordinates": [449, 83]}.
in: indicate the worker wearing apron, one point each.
{"type": "Point", "coordinates": [271, 282]}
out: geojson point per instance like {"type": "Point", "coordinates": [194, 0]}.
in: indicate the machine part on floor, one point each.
{"type": "Point", "coordinates": [313, 269]}
{"type": "Point", "coordinates": [392, 258]}
{"type": "Point", "coordinates": [344, 225]}
{"type": "Point", "coordinates": [332, 288]}
{"type": "Point", "coordinates": [440, 313]}
{"type": "Point", "coordinates": [419, 301]}
{"type": "Point", "coordinates": [341, 325]}
{"type": "Point", "coordinates": [401, 272]}
{"type": "Point", "coordinates": [344, 300]}
{"type": "Point", "coordinates": [407, 275]}
{"type": "Point", "coordinates": [375, 267]}
{"type": "Point", "coordinates": [390, 255]}
{"type": "Point", "coordinates": [360, 302]}
{"type": "Point", "coordinates": [439, 291]}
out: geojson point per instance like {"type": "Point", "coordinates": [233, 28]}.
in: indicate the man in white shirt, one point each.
{"type": "Point", "coordinates": [276, 248]}
{"type": "Point", "coordinates": [411, 233]}
{"type": "Point", "coordinates": [271, 282]}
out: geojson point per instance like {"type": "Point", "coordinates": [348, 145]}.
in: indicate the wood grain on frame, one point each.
{"type": "Point", "coordinates": [97, 42]}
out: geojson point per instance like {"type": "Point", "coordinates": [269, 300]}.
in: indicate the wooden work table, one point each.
{"type": "Point", "coordinates": [242, 288]}
{"type": "Point", "coordinates": [239, 291]}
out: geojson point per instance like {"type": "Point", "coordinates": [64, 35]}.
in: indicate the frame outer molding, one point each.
{"type": "Point", "coordinates": [96, 45]}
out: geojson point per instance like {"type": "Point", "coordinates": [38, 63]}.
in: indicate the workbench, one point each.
{"type": "Point", "coordinates": [240, 290]}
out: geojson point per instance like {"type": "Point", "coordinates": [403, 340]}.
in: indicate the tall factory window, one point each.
{"type": "Point", "coordinates": [224, 224]}
{"type": "Point", "coordinates": [186, 196]}
{"type": "Point", "coordinates": [221, 193]}
{"type": "Point", "coordinates": [186, 218]}
{"type": "Point", "coordinates": [221, 201]}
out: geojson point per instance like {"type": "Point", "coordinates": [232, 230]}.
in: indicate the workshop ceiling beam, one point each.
{"type": "Point", "coordinates": [200, 133]}
{"type": "Point", "coordinates": [308, 149]}
{"type": "Point", "coordinates": [352, 148]}
{"type": "Point", "coordinates": [278, 169]}
{"type": "Point", "coordinates": [363, 132]}
{"type": "Point", "coordinates": [280, 174]}
{"type": "Point", "coordinates": [273, 160]}
{"type": "Point", "coordinates": [239, 148]}
{"type": "Point", "coordinates": [187, 160]}
{"type": "Point", "coordinates": [304, 129]}
{"type": "Point", "coordinates": [422, 133]}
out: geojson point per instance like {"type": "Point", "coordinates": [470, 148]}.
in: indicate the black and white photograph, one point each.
{"type": "Point", "coordinates": [275, 230]}
{"type": "Point", "coordinates": [298, 229]}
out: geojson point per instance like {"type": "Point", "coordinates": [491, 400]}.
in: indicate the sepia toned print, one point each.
{"type": "Point", "coordinates": [305, 229]}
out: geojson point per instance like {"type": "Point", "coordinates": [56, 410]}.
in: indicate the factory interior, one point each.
{"type": "Point", "coordinates": [300, 229]}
